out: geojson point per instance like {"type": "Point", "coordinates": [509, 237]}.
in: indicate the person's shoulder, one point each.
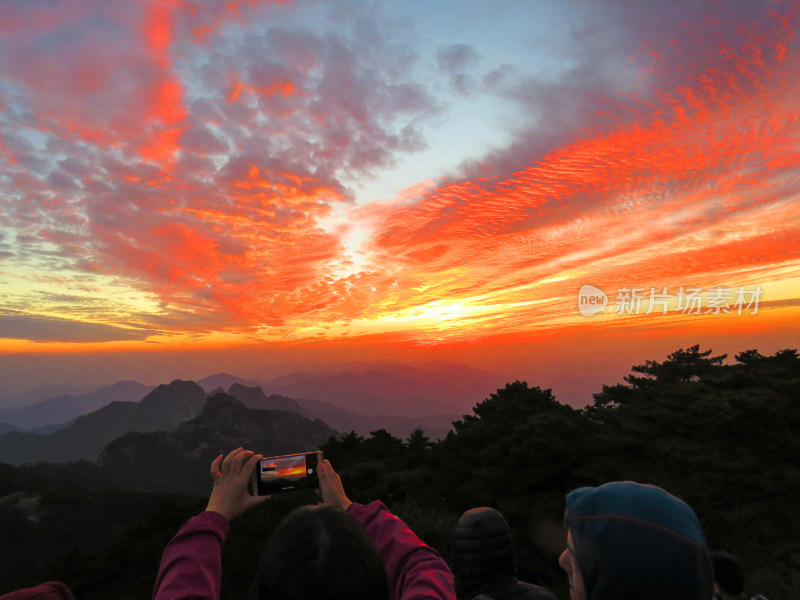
{"type": "Point", "coordinates": [52, 590]}
{"type": "Point", "coordinates": [518, 590]}
{"type": "Point", "coordinates": [535, 592]}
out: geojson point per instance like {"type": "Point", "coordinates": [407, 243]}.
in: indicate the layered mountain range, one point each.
{"type": "Point", "coordinates": [162, 409]}
{"type": "Point", "coordinates": [385, 389]}
{"type": "Point", "coordinates": [60, 410]}
{"type": "Point", "coordinates": [168, 409]}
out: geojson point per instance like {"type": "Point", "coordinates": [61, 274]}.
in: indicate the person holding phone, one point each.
{"type": "Point", "coordinates": [339, 550]}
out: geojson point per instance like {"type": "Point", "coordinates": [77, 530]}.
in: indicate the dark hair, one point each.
{"type": "Point", "coordinates": [321, 553]}
{"type": "Point", "coordinates": [728, 573]}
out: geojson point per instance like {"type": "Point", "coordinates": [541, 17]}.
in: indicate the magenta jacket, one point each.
{"type": "Point", "coordinates": [191, 566]}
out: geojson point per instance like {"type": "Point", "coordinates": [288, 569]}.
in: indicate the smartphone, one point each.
{"type": "Point", "coordinates": [286, 473]}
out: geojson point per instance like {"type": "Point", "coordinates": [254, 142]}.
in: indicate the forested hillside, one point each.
{"type": "Point", "coordinates": [721, 436]}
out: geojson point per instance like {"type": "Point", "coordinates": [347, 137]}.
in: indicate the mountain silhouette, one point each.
{"type": "Point", "coordinates": [64, 408]}
{"type": "Point", "coordinates": [253, 397]}
{"type": "Point", "coordinates": [45, 392]}
{"type": "Point", "coordinates": [222, 381]}
{"type": "Point", "coordinates": [341, 419]}
{"type": "Point", "coordinates": [163, 408]}
{"type": "Point", "coordinates": [392, 389]}
{"type": "Point", "coordinates": [178, 460]}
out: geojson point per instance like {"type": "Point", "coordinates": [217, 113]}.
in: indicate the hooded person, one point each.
{"type": "Point", "coordinates": [628, 541]}
{"type": "Point", "coordinates": [483, 559]}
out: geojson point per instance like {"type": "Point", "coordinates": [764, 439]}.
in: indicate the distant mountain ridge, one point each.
{"type": "Point", "coordinates": [341, 419]}
{"type": "Point", "coordinates": [434, 426]}
{"type": "Point", "coordinates": [178, 460]}
{"type": "Point", "coordinates": [223, 381]}
{"type": "Point", "coordinates": [64, 408]}
{"type": "Point", "coordinates": [254, 397]}
{"type": "Point", "coordinates": [392, 389]}
{"type": "Point", "coordinates": [162, 409]}
{"type": "Point", "coordinates": [45, 392]}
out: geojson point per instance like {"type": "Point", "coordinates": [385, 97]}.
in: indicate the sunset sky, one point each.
{"type": "Point", "coordinates": [195, 186]}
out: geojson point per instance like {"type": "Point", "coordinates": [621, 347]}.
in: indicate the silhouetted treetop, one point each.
{"type": "Point", "coordinates": [509, 404]}
{"type": "Point", "coordinates": [680, 367]}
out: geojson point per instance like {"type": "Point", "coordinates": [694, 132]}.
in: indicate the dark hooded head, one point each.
{"type": "Point", "coordinates": [638, 542]}
{"type": "Point", "coordinates": [483, 553]}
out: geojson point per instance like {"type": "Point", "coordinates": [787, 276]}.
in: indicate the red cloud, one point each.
{"type": "Point", "coordinates": [158, 27]}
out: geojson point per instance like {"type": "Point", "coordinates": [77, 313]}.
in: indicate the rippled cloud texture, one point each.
{"type": "Point", "coordinates": [199, 171]}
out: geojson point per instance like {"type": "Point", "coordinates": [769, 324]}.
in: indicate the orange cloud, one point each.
{"type": "Point", "coordinates": [275, 88]}
{"type": "Point", "coordinates": [158, 27]}
{"type": "Point", "coordinates": [166, 106]}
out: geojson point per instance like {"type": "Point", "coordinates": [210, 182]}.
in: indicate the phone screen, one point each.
{"type": "Point", "coordinates": [285, 473]}
{"type": "Point", "coordinates": [288, 467]}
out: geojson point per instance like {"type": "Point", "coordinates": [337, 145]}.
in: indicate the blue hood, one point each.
{"type": "Point", "coordinates": [638, 542]}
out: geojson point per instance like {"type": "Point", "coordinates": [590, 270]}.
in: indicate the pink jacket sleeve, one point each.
{"type": "Point", "coordinates": [416, 571]}
{"type": "Point", "coordinates": [52, 590]}
{"type": "Point", "coordinates": [191, 566]}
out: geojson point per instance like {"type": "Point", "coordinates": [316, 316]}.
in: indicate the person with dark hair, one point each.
{"type": "Point", "coordinates": [483, 559]}
{"type": "Point", "coordinates": [332, 547]}
{"type": "Point", "coordinates": [634, 541]}
{"type": "Point", "coordinates": [338, 551]}
{"type": "Point", "coordinates": [729, 578]}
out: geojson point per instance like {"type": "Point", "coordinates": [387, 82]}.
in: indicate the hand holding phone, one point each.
{"type": "Point", "coordinates": [330, 486]}
{"type": "Point", "coordinates": [230, 497]}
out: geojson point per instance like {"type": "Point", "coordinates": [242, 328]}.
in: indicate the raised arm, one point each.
{"type": "Point", "coordinates": [416, 571]}
{"type": "Point", "coordinates": [191, 566]}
